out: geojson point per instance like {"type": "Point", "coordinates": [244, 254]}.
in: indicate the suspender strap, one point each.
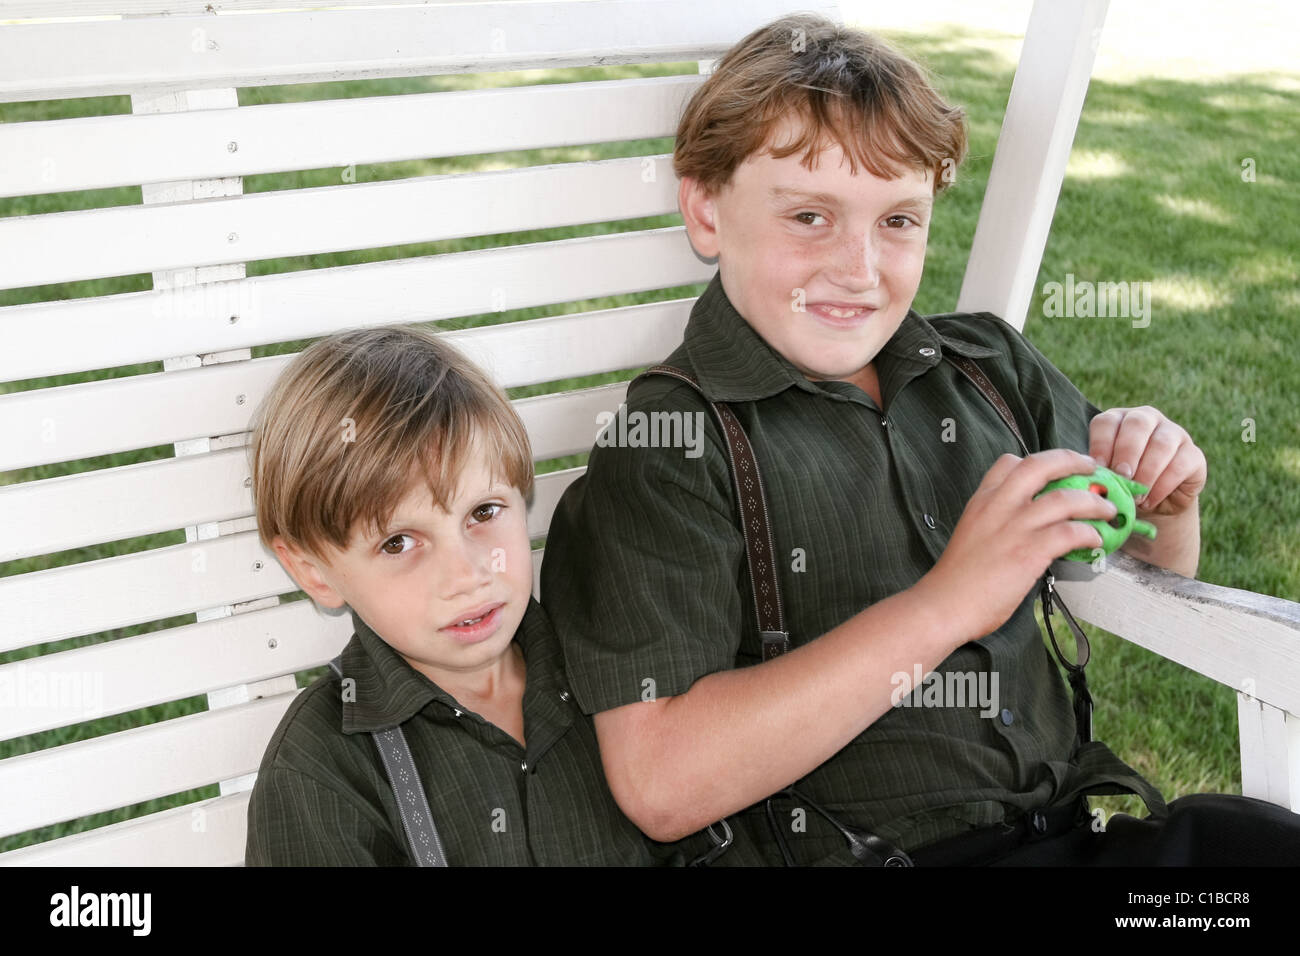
{"type": "Point", "coordinates": [754, 522]}
{"type": "Point", "coordinates": [976, 374]}
{"type": "Point", "coordinates": [1050, 598]}
{"type": "Point", "coordinates": [412, 803]}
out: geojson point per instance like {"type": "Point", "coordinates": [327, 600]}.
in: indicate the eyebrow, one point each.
{"type": "Point", "coordinates": [783, 193]}
{"type": "Point", "coordinates": [495, 490]}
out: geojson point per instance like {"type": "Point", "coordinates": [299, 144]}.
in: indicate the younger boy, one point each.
{"type": "Point", "coordinates": [390, 477]}
{"type": "Point", "coordinates": [907, 536]}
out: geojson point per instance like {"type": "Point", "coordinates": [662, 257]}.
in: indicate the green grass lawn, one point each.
{"type": "Point", "coordinates": [1154, 194]}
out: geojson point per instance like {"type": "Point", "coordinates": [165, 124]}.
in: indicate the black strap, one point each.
{"type": "Point", "coordinates": [1050, 597]}
{"type": "Point", "coordinates": [412, 802]}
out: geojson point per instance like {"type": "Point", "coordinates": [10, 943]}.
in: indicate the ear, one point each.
{"type": "Point", "coordinates": [307, 570]}
{"type": "Point", "coordinates": [699, 214]}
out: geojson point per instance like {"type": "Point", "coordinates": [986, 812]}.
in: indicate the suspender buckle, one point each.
{"type": "Point", "coordinates": [775, 643]}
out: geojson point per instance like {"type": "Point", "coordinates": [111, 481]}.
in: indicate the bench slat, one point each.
{"type": "Point", "coordinates": [126, 240]}
{"type": "Point", "coordinates": [131, 766]}
{"type": "Point", "coordinates": [159, 54]}
{"type": "Point", "coordinates": [101, 151]}
{"type": "Point", "coordinates": [132, 589]}
{"type": "Point", "coordinates": [113, 504]}
{"type": "Point", "coordinates": [207, 833]}
{"type": "Point", "coordinates": [32, 9]}
{"type": "Point", "coordinates": [143, 326]}
{"type": "Point", "coordinates": [72, 422]}
{"type": "Point", "coordinates": [116, 677]}
{"type": "Point", "coordinates": [1227, 634]}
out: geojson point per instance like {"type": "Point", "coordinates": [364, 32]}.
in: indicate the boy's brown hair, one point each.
{"type": "Point", "coordinates": [356, 419]}
{"type": "Point", "coordinates": [846, 84]}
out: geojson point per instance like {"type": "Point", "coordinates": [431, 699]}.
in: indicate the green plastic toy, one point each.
{"type": "Point", "coordinates": [1121, 492]}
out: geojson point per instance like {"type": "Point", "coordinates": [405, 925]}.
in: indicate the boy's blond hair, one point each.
{"type": "Point", "coordinates": [846, 84]}
{"type": "Point", "coordinates": [356, 419]}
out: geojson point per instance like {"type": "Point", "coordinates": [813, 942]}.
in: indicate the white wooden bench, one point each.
{"type": "Point", "coordinates": [189, 143]}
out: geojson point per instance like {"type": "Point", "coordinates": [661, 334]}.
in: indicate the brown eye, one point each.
{"type": "Point", "coordinates": [486, 512]}
{"type": "Point", "coordinates": [387, 546]}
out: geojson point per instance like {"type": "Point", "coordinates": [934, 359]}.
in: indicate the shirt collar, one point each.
{"type": "Point", "coordinates": [388, 691]}
{"type": "Point", "coordinates": [733, 363]}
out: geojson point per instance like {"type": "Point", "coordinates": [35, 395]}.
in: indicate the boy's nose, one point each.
{"type": "Point", "coordinates": [463, 569]}
{"type": "Point", "coordinates": [858, 262]}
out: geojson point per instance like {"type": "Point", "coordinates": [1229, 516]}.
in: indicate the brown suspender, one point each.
{"type": "Point", "coordinates": [754, 521]}
{"type": "Point", "coordinates": [976, 374]}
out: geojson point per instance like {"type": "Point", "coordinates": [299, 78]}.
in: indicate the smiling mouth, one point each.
{"type": "Point", "coordinates": [842, 315]}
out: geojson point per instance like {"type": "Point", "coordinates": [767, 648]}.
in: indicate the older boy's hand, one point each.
{"type": "Point", "coordinates": [1142, 444]}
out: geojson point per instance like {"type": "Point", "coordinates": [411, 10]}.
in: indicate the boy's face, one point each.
{"type": "Point", "coordinates": [847, 248]}
{"type": "Point", "coordinates": [430, 569]}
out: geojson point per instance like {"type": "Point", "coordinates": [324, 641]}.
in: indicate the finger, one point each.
{"type": "Point", "coordinates": [1066, 536]}
{"type": "Point", "coordinates": [1064, 505]}
{"type": "Point", "coordinates": [1101, 434]}
{"type": "Point", "coordinates": [1160, 450]}
{"type": "Point", "coordinates": [1134, 432]}
{"type": "Point", "coordinates": [1016, 494]}
{"type": "Point", "coordinates": [997, 474]}
{"type": "Point", "coordinates": [1029, 477]}
{"type": "Point", "coordinates": [1184, 474]}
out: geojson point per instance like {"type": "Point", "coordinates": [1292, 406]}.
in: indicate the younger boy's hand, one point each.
{"type": "Point", "coordinates": [1149, 448]}
{"type": "Point", "coordinates": [1005, 539]}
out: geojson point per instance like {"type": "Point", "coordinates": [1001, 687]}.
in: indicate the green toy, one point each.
{"type": "Point", "coordinates": [1121, 492]}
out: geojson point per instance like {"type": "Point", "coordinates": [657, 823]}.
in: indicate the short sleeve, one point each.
{"type": "Point", "coordinates": [1061, 413]}
{"type": "Point", "coordinates": [294, 820]}
{"type": "Point", "coordinates": [642, 568]}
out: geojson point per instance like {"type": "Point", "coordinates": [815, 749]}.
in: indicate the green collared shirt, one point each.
{"type": "Point", "coordinates": [323, 798]}
{"type": "Point", "coordinates": [645, 575]}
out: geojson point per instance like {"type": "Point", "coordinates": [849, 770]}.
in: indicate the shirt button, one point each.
{"type": "Point", "coordinates": [1039, 822]}
{"type": "Point", "coordinates": [564, 696]}
{"type": "Point", "coordinates": [524, 766]}
{"type": "Point", "coordinates": [884, 422]}
{"type": "Point", "coordinates": [455, 712]}
{"type": "Point", "coordinates": [1007, 716]}
{"type": "Point", "coordinates": [927, 352]}
{"type": "Point", "coordinates": [929, 522]}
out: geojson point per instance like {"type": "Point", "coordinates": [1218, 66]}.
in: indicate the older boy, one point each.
{"type": "Point", "coordinates": [907, 537]}
{"type": "Point", "coordinates": [390, 477]}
